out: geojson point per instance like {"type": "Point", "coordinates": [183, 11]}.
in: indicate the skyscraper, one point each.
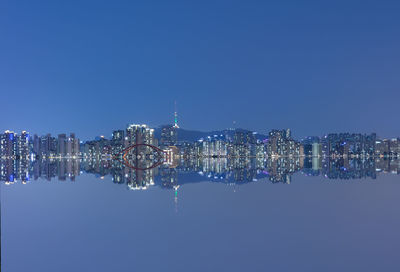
{"type": "Point", "coordinates": [61, 144]}
{"type": "Point", "coordinates": [169, 135]}
{"type": "Point", "coordinates": [48, 146]}
{"type": "Point", "coordinates": [7, 144]}
{"type": "Point", "coordinates": [22, 145]}
{"type": "Point", "coordinates": [139, 134]}
{"type": "Point", "coordinates": [72, 146]}
{"type": "Point", "coordinates": [36, 145]}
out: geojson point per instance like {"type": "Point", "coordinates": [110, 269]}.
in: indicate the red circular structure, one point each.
{"type": "Point", "coordinates": [125, 152]}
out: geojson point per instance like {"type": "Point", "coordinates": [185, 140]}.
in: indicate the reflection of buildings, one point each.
{"type": "Point", "coordinates": [344, 168]}
{"type": "Point", "coordinates": [139, 179]}
{"type": "Point", "coordinates": [225, 170]}
{"type": "Point", "coordinates": [386, 165]}
{"type": "Point", "coordinates": [134, 179]}
{"type": "Point", "coordinates": [13, 170]}
{"type": "Point", "coordinates": [25, 170]}
{"type": "Point", "coordinates": [68, 168]}
{"type": "Point", "coordinates": [281, 169]}
{"type": "Point", "coordinates": [169, 178]}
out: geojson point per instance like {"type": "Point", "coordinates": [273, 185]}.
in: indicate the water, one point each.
{"type": "Point", "coordinates": [199, 222]}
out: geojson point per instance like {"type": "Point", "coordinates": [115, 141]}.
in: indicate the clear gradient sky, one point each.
{"type": "Point", "coordinates": [93, 66]}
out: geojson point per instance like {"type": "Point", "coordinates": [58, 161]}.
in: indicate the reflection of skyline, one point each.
{"type": "Point", "coordinates": [140, 156]}
{"type": "Point", "coordinates": [221, 170]}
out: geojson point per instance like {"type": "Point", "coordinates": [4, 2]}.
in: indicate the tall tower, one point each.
{"type": "Point", "coordinates": [176, 117]}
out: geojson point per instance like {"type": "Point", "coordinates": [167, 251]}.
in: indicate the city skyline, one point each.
{"type": "Point", "coordinates": [234, 126]}
{"type": "Point", "coordinates": [143, 148]}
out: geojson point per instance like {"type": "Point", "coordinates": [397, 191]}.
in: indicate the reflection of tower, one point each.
{"type": "Point", "coordinates": [176, 117]}
{"type": "Point", "coordinates": [176, 187]}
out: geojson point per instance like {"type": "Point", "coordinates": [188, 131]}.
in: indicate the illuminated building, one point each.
{"type": "Point", "coordinates": [280, 143]}
{"type": "Point", "coordinates": [169, 135]}
{"type": "Point", "coordinates": [22, 145]}
{"type": "Point", "coordinates": [72, 146]}
{"type": "Point", "coordinates": [7, 144]}
{"type": "Point", "coordinates": [118, 141]}
{"type": "Point", "coordinates": [118, 137]}
{"type": "Point", "coordinates": [139, 134]}
{"type": "Point", "coordinates": [61, 145]}
{"type": "Point", "coordinates": [339, 144]}
{"type": "Point", "coordinates": [308, 145]}
{"type": "Point", "coordinates": [316, 150]}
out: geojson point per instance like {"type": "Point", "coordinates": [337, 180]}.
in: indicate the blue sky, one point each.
{"type": "Point", "coordinates": [93, 66]}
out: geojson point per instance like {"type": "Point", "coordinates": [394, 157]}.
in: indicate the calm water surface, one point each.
{"type": "Point", "coordinates": [92, 224]}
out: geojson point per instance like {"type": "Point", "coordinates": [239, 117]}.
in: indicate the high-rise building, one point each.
{"type": "Point", "coordinates": [316, 150]}
{"type": "Point", "coordinates": [7, 145]}
{"type": "Point", "coordinates": [214, 147]}
{"type": "Point", "coordinates": [276, 143]}
{"type": "Point", "coordinates": [280, 143]}
{"type": "Point", "coordinates": [169, 135]}
{"type": "Point", "coordinates": [48, 146]}
{"type": "Point", "coordinates": [339, 144]}
{"type": "Point", "coordinates": [307, 144]}
{"type": "Point", "coordinates": [288, 133]}
{"type": "Point", "coordinates": [139, 134]}
{"type": "Point", "coordinates": [36, 145]}
{"type": "Point", "coordinates": [22, 145]}
{"type": "Point", "coordinates": [117, 141]}
{"type": "Point", "coordinates": [244, 137]}
{"type": "Point", "coordinates": [118, 137]}
{"type": "Point", "coordinates": [61, 145]}
{"type": "Point", "coordinates": [72, 146]}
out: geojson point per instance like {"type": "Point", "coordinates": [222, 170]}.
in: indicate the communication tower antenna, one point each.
{"type": "Point", "coordinates": [175, 117]}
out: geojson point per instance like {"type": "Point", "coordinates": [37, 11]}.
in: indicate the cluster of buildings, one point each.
{"type": "Point", "coordinates": [244, 144]}
{"type": "Point", "coordinates": [134, 134]}
{"type": "Point", "coordinates": [237, 144]}
{"type": "Point", "coordinates": [24, 147]}
{"type": "Point", "coordinates": [388, 148]}
{"type": "Point", "coordinates": [355, 145]}
{"type": "Point", "coordinates": [50, 147]}
{"type": "Point", "coordinates": [14, 146]}
{"type": "Point", "coordinates": [338, 144]}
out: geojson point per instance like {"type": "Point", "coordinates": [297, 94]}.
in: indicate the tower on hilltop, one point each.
{"type": "Point", "coordinates": [176, 117]}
